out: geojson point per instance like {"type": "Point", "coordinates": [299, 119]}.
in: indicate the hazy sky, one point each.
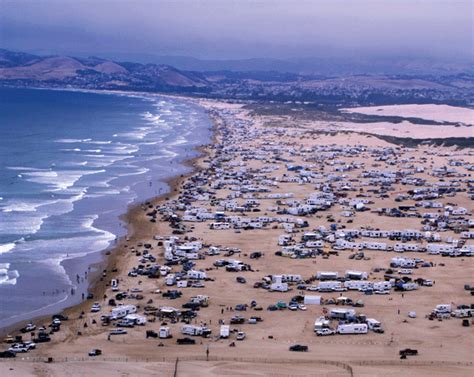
{"type": "Point", "coordinates": [240, 29]}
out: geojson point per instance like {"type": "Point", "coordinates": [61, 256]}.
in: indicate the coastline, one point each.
{"type": "Point", "coordinates": [108, 258]}
{"type": "Point", "coordinates": [266, 343]}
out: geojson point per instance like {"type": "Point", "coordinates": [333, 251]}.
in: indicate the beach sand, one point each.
{"type": "Point", "coordinates": [445, 347]}
{"type": "Point", "coordinates": [438, 113]}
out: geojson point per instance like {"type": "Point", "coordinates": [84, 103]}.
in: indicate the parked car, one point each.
{"type": "Point", "coordinates": [42, 338]}
{"type": "Point", "coordinates": [118, 332]}
{"type": "Point", "coordinates": [7, 354]}
{"type": "Point", "coordinates": [61, 317]}
{"type": "Point", "coordinates": [125, 323]}
{"type": "Point", "coordinates": [325, 331]}
{"type": "Point", "coordinates": [28, 328]}
{"type": "Point", "coordinates": [95, 307]}
{"type": "Point", "coordinates": [408, 352]}
{"type": "Point", "coordinates": [237, 320]}
{"type": "Point", "coordinates": [9, 339]}
{"type": "Point", "coordinates": [95, 352]}
{"type": "Point", "coordinates": [30, 345]}
{"type": "Point", "coordinates": [18, 348]}
{"type": "Point", "coordinates": [192, 305]}
{"type": "Point", "coordinates": [185, 341]}
{"type": "Point", "coordinates": [240, 335]}
{"type": "Point", "coordinates": [241, 280]}
{"type": "Point", "coordinates": [299, 348]}
{"type": "Point", "coordinates": [293, 306]}
{"type": "Point", "coordinates": [151, 334]}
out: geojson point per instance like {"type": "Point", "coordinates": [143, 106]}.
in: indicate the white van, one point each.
{"type": "Point", "coordinates": [165, 332]}
{"type": "Point", "coordinates": [225, 331]}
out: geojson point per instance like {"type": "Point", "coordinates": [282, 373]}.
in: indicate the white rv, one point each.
{"type": "Point", "coordinates": [291, 278]}
{"type": "Point", "coordinates": [195, 274]}
{"type": "Point", "coordinates": [443, 308]}
{"type": "Point", "coordinates": [225, 331]}
{"type": "Point", "coordinates": [279, 287]}
{"type": "Point", "coordinates": [329, 285]}
{"type": "Point", "coordinates": [165, 332]}
{"type": "Point", "coordinates": [136, 319]}
{"type": "Point", "coordinates": [321, 323]}
{"type": "Point", "coordinates": [194, 330]}
{"type": "Point", "coordinates": [342, 313]}
{"type": "Point", "coordinates": [327, 275]}
{"type": "Point", "coordinates": [312, 300]}
{"type": "Point", "coordinates": [220, 226]}
{"type": "Point", "coordinates": [353, 328]}
{"type": "Point", "coordinates": [357, 284]}
{"type": "Point", "coordinates": [123, 310]}
{"type": "Point", "coordinates": [373, 324]}
{"type": "Point", "coordinates": [382, 286]}
{"type": "Point", "coordinates": [356, 275]}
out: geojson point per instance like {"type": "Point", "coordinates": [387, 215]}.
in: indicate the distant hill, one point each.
{"type": "Point", "coordinates": [252, 79]}
{"type": "Point", "coordinates": [27, 68]}
{"type": "Point", "coordinates": [319, 66]}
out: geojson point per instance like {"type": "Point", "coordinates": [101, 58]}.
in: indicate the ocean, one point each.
{"type": "Point", "coordinates": [70, 164]}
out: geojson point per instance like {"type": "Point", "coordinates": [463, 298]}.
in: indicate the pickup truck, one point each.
{"type": "Point", "coordinates": [325, 331]}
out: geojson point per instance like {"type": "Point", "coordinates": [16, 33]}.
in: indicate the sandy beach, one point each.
{"type": "Point", "coordinates": [438, 113]}
{"type": "Point", "coordinates": [251, 152]}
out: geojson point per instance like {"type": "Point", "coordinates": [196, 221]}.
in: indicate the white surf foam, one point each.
{"type": "Point", "coordinates": [7, 276]}
{"type": "Point", "coordinates": [5, 248]}
{"type": "Point", "coordinates": [59, 180]}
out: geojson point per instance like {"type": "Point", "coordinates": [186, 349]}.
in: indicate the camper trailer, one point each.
{"type": "Point", "coordinates": [327, 275]}
{"type": "Point", "coordinates": [220, 226]}
{"type": "Point", "coordinates": [356, 275]}
{"type": "Point", "coordinates": [409, 286]}
{"type": "Point", "coordinates": [123, 310]}
{"type": "Point", "coordinates": [291, 278]}
{"type": "Point", "coordinates": [357, 285]}
{"type": "Point", "coordinates": [279, 287]}
{"type": "Point", "coordinates": [443, 308]}
{"type": "Point", "coordinates": [402, 262]}
{"type": "Point", "coordinates": [312, 300]}
{"type": "Point", "coordinates": [321, 323]}
{"type": "Point", "coordinates": [382, 286]}
{"type": "Point", "coordinates": [136, 319]}
{"type": "Point", "coordinates": [329, 286]}
{"type": "Point", "coordinates": [373, 324]}
{"type": "Point", "coordinates": [352, 328]}
{"type": "Point", "coordinates": [194, 274]}
{"type": "Point", "coordinates": [342, 313]}
{"type": "Point", "coordinates": [284, 240]}
{"type": "Point", "coordinates": [225, 331]}
{"type": "Point", "coordinates": [195, 330]}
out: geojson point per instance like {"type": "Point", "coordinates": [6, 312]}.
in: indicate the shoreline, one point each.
{"type": "Point", "coordinates": [245, 149]}
{"type": "Point", "coordinates": [95, 283]}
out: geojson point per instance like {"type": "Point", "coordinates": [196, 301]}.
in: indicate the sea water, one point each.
{"type": "Point", "coordinates": [70, 164]}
